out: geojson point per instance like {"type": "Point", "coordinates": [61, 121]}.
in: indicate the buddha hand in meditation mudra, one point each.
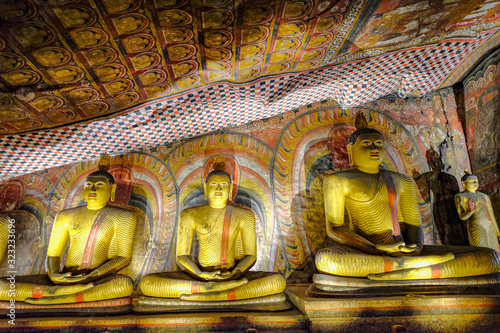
{"type": "Point", "coordinates": [475, 208]}
{"type": "Point", "coordinates": [227, 250]}
{"type": "Point", "coordinates": [384, 241]}
{"type": "Point", "coordinates": [100, 241]}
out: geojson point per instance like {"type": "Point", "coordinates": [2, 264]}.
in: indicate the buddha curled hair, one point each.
{"type": "Point", "coordinates": [361, 125]}
{"type": "Point", "coordinates": [219, 167]}
{"type": "Point", "coordinates": [104, 166]}
{"type": "Point", "coordinates": [467, 175]}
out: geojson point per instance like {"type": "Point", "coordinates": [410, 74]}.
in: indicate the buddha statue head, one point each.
{"type": "Point", "coordinates": [100, 185]}
{"type": "Point", "coordinates": [217, 187]}
{"type": "Point", "coordinates": [470, 182]}
{"type": "Point", "coordinates": [365, 146]}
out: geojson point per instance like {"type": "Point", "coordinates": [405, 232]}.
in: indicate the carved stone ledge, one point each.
{"type": "Point", "coordinates": [413, 312]}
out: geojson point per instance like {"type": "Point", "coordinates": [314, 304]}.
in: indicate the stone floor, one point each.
{"type": "Point", "coordinates": [372, 313]}
{"type": "Point", "coordinates": [288, 321]}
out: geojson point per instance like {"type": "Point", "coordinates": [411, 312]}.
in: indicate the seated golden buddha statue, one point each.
{"type": "Point", "coordinates": [475, 208]}
{"type": "Point", "coordinates": [385, 238]}
{"type": "Point", "coordinates": [100, 241]}
{"type": "Point", "coordinates": [227, 250]}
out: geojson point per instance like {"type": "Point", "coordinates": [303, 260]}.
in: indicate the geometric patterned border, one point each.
{"type": "Point", "coordinates": [220, 105]}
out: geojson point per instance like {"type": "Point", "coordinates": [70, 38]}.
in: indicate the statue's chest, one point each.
{"type": "Point", "coordinates": [208, 228]}
{"type": "Point", "coordinates": [362, 189]}
{"type": "Point", "coordinates": [81, 222]}
{"type": "Point", "coordinates": [82, 226]}
{"type": "Point", "coordinates": [472, 196]}
{"type": "Point", "coordinates": [214, 227]}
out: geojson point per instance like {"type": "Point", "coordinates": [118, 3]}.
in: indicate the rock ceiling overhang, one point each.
{"type": "Point", "coordinates": [79, 78]}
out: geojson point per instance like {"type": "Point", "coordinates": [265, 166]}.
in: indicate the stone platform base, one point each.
{"type": "Point", "coordinates": [231, 322]}
{"type": "Point", "coordinates": [410, 312]}
{"type": "Point", "coordinates": [98, 308]}
{"type": "Point", "coordinates": [149, 305]}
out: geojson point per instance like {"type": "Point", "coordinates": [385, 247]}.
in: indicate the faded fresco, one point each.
{"type": "Point", "coordinates": [482, 116]}
{"type": "Point", "coordinates": [412, 22]}
{"type": "Point", "coordinates": [277, 164]}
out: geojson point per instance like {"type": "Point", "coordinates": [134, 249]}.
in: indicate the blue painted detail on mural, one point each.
{"type": "Point", "coordinates": [280, 173]}
{"type": "Point", "coordinates": [193, 199]}
{"type": "Point", "coordinates": [141, 202]}
{"type": "Point", "coordinates": [321, 165]}
{"type": "Point", "coordinates": [248, 198]}
{"type": "Point", "coordinates": [284, 148]}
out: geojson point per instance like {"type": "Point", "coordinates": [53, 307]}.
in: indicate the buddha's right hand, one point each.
{"type": "Point", "coordinates": [65, 290]}
{"type": "Point", "coordinates": [472, 206]}
{"type": "Point", "coordinates": [399, 248]}
{"type": "Point", "coordinates": [210, 276]}
{"type": "Point", "coordinates": [390, 248]}
{"type": "Point", "coordinates": [59, 277]}
{"type": "Point", "coordinates": [412, 249]}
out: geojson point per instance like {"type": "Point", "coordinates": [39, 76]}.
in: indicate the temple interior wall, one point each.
{"type": "Point", "coordinates": [481, 113]}
{"type": "Point", "coordinates": [278, 165]}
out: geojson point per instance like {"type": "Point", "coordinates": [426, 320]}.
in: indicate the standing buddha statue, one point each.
{"type": "Point", "coordinates": [475, 208]}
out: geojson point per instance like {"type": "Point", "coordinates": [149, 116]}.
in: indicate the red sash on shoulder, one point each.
{"type": "Point", "coordinates": [225, 235]}
{"type": "Point", "coordinates": [485, 204]}
{"type": "Point", "coordinates": [391, 190]}
{"type": "Point", "coordinates": [89, 247]}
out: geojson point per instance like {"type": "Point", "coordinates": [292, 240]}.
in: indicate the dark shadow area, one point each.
{"type": "Point", "coordinates": [443, 186]}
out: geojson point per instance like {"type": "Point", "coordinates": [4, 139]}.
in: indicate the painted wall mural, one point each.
{"type": "Point", "coordinates": [278, 165]}
{"type": "Point", "coordinates": [102, 75]}
{"type": "Point", "coordinates": [482, 113]}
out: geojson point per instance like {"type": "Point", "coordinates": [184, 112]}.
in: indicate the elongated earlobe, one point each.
{"type": "Point", "coordinates": [113, 190]}
{"type": "Point", "coordinates": [205, 191]}
{"type": "Point", "coordinates": [349, 154]}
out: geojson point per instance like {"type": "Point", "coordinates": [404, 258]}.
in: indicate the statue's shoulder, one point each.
{"type": "Point", "coordinates": [114, 210]}
{"type": "Point", "coordinates": [194, 210]}
{"type": "Point", "coordinates": [399, 177]}
{"type": "Point", "coordinates": [4, 219]}
{"type": "Point", "coordinates": [242, 213]}
{"type": "Point", "coordinates": [241, 209]}
{"type": "Point", "coordinates": [70, 211]}
{"type": "Point", "coordinates": [341, 174]}
{"type": "Point", "coordinates": [484, 195]}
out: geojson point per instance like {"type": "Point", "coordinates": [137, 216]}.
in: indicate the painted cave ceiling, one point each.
{"type": "Point", "coordinates": [81, 77]}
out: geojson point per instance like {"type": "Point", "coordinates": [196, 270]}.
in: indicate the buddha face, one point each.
{"type": "Point", "coordinates": [471, 184]}
{"type": "Point", "coordinates": [98, 191]}
{"type": "Point", "coordinates": [218, 189]}
{"type": "Point", "coordinates": [367, 152]}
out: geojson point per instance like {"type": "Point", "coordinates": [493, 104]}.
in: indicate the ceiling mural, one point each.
{"type": "Point", "coordinates": [162, 70]}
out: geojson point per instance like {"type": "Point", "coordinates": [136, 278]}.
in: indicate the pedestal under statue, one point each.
{"type": "Point", "coordinates": [475, 208]}
{"type": "Point", "coordinates": [383, 245]}
{"type": "Point", "coordinates": [219, 278]}
{"type": "Point", "coordinates": [99, 238]}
